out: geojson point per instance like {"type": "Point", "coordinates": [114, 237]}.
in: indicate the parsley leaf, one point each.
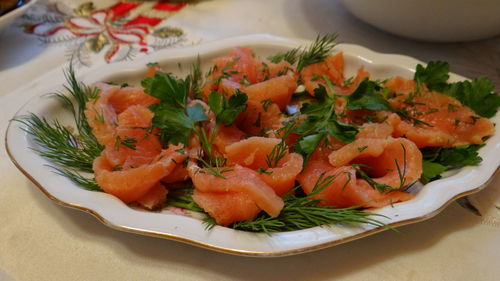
{"type": "Point", "coordinates": [465, 155]}
{"type": "Point", "coordinates": [321, 121]}
{"type": "Point", "coordinates": [431, 171]}
{"type": "Point", "coordinates": [438, 160]}
{"type": "Point", "coordinates": [175, 123]}
{"type": "Point", "coordinates": [434, 75]}
{"type": "Point", "coordinates": [225, 109]}
{"type": "Point", "coordinates": [307, 144]}
{"type": "Point", "coordinates": [167, 88]}
{"type": "Point", "coordinates": [477, 94]}
{"type": "Point", "coordinates": [366, 97]}
{"type": "Point", "coordinates": [172, 116]}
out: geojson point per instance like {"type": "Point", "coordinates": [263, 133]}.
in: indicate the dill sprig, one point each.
{"type": "Point", "coordinates": [60, 145]}
{"type": "Point", "coordinates": [318, 51]}
{"type": "Point", "coordinates": [382, 188]}
{"type": "Point", "coordinates": [304, 212]}
{"type": "Point", "coordinates": [182, 198]}
{"type": "Point", "coordinates": [215, 167]}
{"type": "Point", "coordinates": [71, 150]}
{"type": "Point", "coordinates": [79, 95]}
{"type": "Point", "coordinates": [290, 56]}
{"type": "Point", "coordinates": [404, 114]}
{"type": "Point", "coordinates": [87, 183]}
{"type": "Point", "coordinates": [280, 150]}
{"type": "Point", "coordinates": [277, 153]}
{"type": "Point", "coordinates": [196, 78]}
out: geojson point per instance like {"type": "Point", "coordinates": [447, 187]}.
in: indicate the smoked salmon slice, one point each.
{"type": "Point", "coordinates": [154, 198]}
{"type": "Point", "coordinates": [395, 162]}
{"type": "Point", "coordinates": [260, 117]}
{"type": "Point", "coordinates": [282, 177]}
{"type": "Point", "coordinates": [442, 120]}
{"type": "Point", "coordinates": [345, 189]}
{"type": "Point", "coordinates": [253, 153]}
{"type": "Point", "coordinates": [125, 97]}
{"type": "Point", "coordinates": [101, 116]}
{"type": "Point", "coordinates": [242, 206]}
{"type": "Point", "coordinates": [332, 67]}
{"type": "Point", "coordinates": [238, 179]}
{"type": "Point", "coordinates": [278, 89]}
{"type": "Point", "coordinates": [259, 79]}
{"type": "Point", "coordinates": [135, 141]}
{"type": "Point", "coordinates": [133, 183]}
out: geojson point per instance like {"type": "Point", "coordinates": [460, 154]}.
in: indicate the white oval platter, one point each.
{"type": "Point", "coordinates": [429, 200]}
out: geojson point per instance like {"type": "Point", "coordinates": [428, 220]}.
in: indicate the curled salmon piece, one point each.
{"type": "Point", "coordinates": [122, 123]}
{"type": "Point", "coordinates": [154, 198]}
{"type": "Point", "coordinates": [239, 66]}
{"type": "Point", "coordinates": [344, 188]}
{"type": "Point", "coordinates": [376, 199]}
{"type": "Point", "coordinates": [131, 184]}
{"type": "Point", "coordinates": [396, 162]}
{"type": "Point", "coordinates": [242, 206]}
{"type": "Point", "coordinates": [228, 87]}
{"type": "Point", "coordinates": [282, 177]}
{"type": "Point", "coordinates": [246, 64]}
{"type": "Point", "coordinates": [180, 173]}
{"type": "Point", "coordinates": [375, 131]}
{"type": "Point", "coordinates": [101, 116]}
{"type": "Point", "coordinates": [279, 89]}
{"type": "Point", "coordinates": [125, 97]}
{"type": "Point", "coordinates": [135, 140]}
{"type": "Point", "coordinates": [259, 79]}
{"type": "Point", "coordinates": [341, 192]}
{"type": "Point", "coordinates": [332, 67]}
{"type": "Point", "coordinates": [260, 117]}
{"type": "Point", "coordinates": [438, 119]}
{"type": "Point", "coordinates": [268, 69]}
{"type": "Point", "coordinates": [348, 89]}
{"type": "Point", "coordinates": [253, 153]}
{"type": "Point", "coordinates": [225, 136]}
{"type": "Point", "coordinates": [237, 179]}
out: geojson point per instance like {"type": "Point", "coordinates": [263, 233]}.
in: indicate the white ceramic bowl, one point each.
{"type": "Point", "coordinates": [431, 20]}
{"type": "Point", "coordinates": [9, 17]}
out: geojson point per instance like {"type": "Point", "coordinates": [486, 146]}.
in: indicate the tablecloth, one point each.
{"type": "Point", "coordinates": [40, 240]}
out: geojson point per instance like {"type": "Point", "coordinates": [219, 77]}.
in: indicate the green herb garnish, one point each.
{"type": "Point", "coordinates": [321, 121]}
{"type": "Point", "coordinates": [439, 160]}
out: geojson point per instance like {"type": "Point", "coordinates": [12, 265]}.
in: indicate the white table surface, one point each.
{"type": "Point", "coordinates": [40, 240]}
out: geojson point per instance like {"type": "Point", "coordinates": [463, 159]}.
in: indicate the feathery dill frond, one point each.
{"type": "Point", "coordinates": [318, 51]}
{"type": "Point", "coordinates": [87, 183]}
{"type": "Point", "coordinates": [59, 144]}
{"type": "Point", "coordinates": [72, 150]}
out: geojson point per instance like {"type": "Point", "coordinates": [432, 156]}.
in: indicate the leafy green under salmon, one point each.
{"type": "Point", "coordinates": [478, 94]}
{"type": "Point", "coordinates": [438, 160]}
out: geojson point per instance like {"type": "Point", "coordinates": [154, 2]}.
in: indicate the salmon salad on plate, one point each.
{"type": "Point", "coordinates": [269, 144]}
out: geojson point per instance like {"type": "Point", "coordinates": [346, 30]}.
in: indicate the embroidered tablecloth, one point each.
{"type": "Point", "coordinates": [40, 240]}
